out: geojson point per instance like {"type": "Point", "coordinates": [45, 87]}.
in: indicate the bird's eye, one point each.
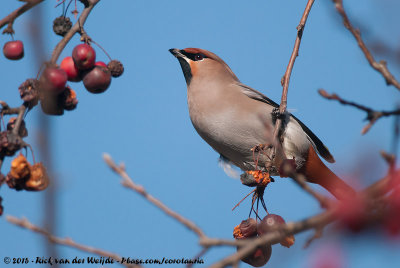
{"type": "Point", "coordinates": [198, 57]}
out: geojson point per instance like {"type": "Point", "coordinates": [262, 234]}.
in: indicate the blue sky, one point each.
{"type": "Point", "coordinates": [142, 120]}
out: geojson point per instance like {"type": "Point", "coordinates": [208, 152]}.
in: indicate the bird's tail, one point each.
{"type": "Point", "coordinates": [316, 172]}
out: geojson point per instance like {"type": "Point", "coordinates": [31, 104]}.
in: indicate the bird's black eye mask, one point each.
{"type": "Point", "coordinates": [193, 56]}
{"type": "Point", "coordinates": [187, 72]}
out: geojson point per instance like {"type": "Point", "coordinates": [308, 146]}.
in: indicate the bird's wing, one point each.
{"type": "Point", "coordinates": [316, 142]}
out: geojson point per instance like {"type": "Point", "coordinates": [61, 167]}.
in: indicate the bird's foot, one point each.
{"type": "Point", "coordinates": [276, 114]}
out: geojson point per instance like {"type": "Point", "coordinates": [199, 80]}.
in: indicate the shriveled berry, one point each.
{"type": "Point", "coordinates": [53, 80]}
{"type": "Point", "coordinates": [23, 132]}
{"type": "Point", "coordinates": [68, 65]}
{"type": "Point", "coordinates": [68, 99]}
{"type": "Point", "coordinates": [61, 25]}
{"type": "Point", "coordinates": [116, 68]}
{"type": "Point", "coordinates": [259, 257]}
{"type": "Point", "coordinates": [20, 167]}
{"type": "Point", "coordinates": [13, 50]}
{"type": "Point", "coordinates": [248, 227]}
{"type": "Point", "coordinates": [9, 143]}
{"type": "Point", "coordinates": [84, 56]}
{"type": "Point", "coordinates": [38, 179]}
{"type": "Point", "coordinates": [97, 80]}
{"type": "Point", "coordinates": [29, 92]}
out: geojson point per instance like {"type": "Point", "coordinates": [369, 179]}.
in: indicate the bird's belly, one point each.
{"type": "Point", "coordinates": [232, 137]}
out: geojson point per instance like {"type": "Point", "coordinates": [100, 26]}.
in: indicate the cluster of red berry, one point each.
{"type": "Point", "coordinates": [250, 229]}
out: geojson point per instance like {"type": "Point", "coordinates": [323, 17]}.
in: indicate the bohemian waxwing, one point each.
{"type": "Point", "coordinates": [234, 118]}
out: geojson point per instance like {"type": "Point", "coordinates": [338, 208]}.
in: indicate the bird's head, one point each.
{"type": "Point", "coordinates": [200, 63]}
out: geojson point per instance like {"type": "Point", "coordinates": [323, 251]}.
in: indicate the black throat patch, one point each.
{"type": "Point", "coordinates": [187, 72]}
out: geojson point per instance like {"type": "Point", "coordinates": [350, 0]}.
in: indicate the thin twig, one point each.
{"type": "Point", "coordinates": [128, 183]}
{"type": "Point", "coordinates": [378, 66]}
{"type": "Point", "coordinates": [76, 28]}
{"type": "Point", "coordinates": [9, 19]}
{"type": "Point", "coordinates": [24, 223]}
{"type": "Point", "coordinates": [280, 155]}
{"type": "Point", "coordinates": [372, 115]}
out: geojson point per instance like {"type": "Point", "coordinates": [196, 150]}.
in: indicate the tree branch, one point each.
{"type": "Point", "coordinates": [378, 66]}
{"type": "Point", "coordinates": [18, 12]}
{"type": "Point", "coordinates": [372, 115]}
{"type": "Point", "coordinates": [24, 223]}
{"type": "Point", "coordinates": [280, 155]}
{"type": "Point", "coordinates": [128, 183]}
{"type": "Point", "coordinates": [76, 28]}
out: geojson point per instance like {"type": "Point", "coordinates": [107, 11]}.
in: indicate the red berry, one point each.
{"type": "Point", "coordinates": [14, 50]}
{"type": "Point", "coordinates": [259, 257]}
{"type": "Point", "coordinates": [68, 65]}
{"type": "Point", "coordinates": [53, 80]}
{"type": "Point", "coordinates": [100, 63]}
{"type": "Point", "coordinates": [84, 56]}
{"type": "Point", "coordinates": [97, 80]}
{"type": "Point", "coordinates": [269, 223]}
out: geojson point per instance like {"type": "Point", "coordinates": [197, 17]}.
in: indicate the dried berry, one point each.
{"type": "Point", "coordinates": [61, 25]}
{"type": "Point", "coordinates": [68, 99]}
{"type": "Point", "coordinates": [38, 180]}
{"type": "Point", "coordinates": [9, 143]}
{"type": "Point", "coordinates": [116, 68]}
{"type": "Point", "coordinates": [23, 132]}
{"type": "Point", "coordinates": [20, 168]}
{"type": "Point", "coordinates": [13, 50]}
{"type": "Point", "coordinates": [29, 93]}
{"type": "Point", "coordinates": [247, 228]}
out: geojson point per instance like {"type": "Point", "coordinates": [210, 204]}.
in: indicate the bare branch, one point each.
{"type": "Point", "coordinates": [76, 28]}
{"type": "Point", "coordinates": [372, 115]}
{"type": "Point", "coordinates": [18, 12]}
{"type": "Point", "coordinates": [24, 223]}
{"type": "Point", "coordinates": [378, 66]}
{"type": "Point", "coordinates": [285, 82]}
{"type": "Point", "coordinates": [128, 183]}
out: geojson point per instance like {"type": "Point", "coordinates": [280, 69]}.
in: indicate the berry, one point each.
{"type": "Point", "coordinates": [68, 65]}
{"type": "Point", "coordinates": [259, 257]}
{"type": "Point", "coordinates": [62, 25]}
{"type": "Point", "coordinates": [53, 80]}
{"type": "Point", "coordinates": [269, 223]}
{"type": "Point", "coordinates": [22, 132]}
{"type": "Point", "coordinates": [97, 80]}
{"type": "Point", "coordinates": [247, 228]}
{"type": "Point", "coordinates": [100, 63]}
{"type": "Point", "coordinates": [29, 93]}
{"type": "Point", "coordinates": [116, 68]}
{"type": "Point", "coordinates": [68, 99]}
{"type": "Point", "coordinates": [84, 56]}
{"type": "Point", "coordinates": [13, 50]}
{"type": "Point", "coordinates": [38, 179]}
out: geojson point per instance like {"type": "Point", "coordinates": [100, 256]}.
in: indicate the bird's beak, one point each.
{"type": "Point", "coordinates": [176, 53]}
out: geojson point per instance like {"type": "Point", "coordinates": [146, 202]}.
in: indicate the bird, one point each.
{"type": "Point", "coordinates": [234, 118]}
